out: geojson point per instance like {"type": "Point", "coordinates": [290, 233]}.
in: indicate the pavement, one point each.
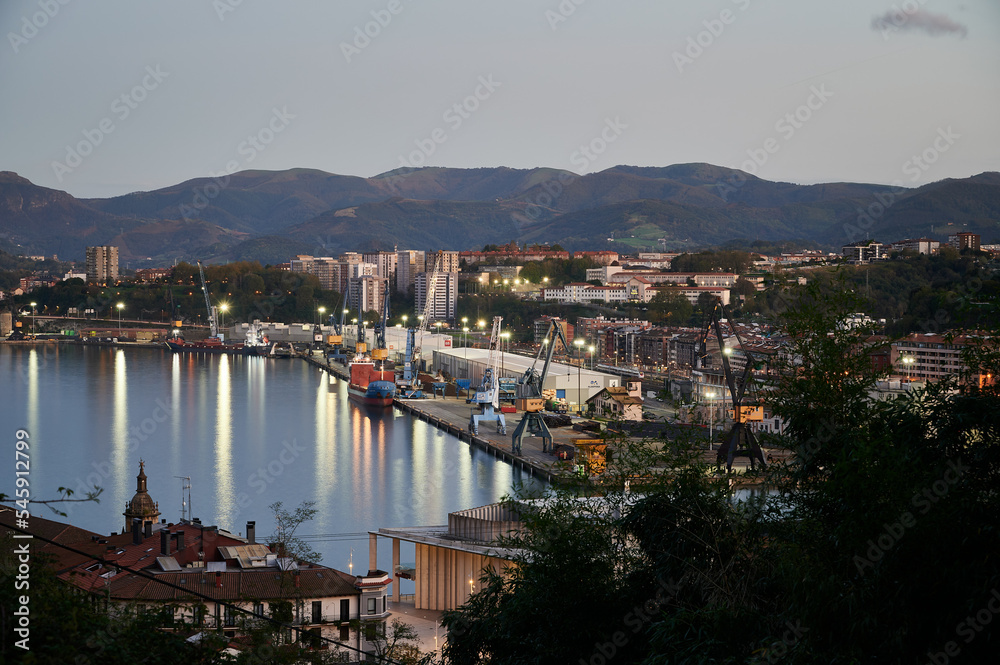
{"type": "Point", "coordinates": [426, 623]}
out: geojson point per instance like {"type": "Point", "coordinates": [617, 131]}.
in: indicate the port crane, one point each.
{"type": "Point", "coordinates": [381, 351]}
{"type": "Point", "coordinates": [425, 318]}
{"type": "Point", "coordinates": [741, 441]}
{"type": "Point", "coordinates": [213, 315]}
{"type": "Point", "coordinates": [487, 398]}
{"type": "Point", "coordinates": [529, 389]}
{"type": "Point", "coordinates": [336, 320]}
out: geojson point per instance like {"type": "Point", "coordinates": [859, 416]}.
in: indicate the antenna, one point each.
{"type": "Point", "coordinates": [186, 511]}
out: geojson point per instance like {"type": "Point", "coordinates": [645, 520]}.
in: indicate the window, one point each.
{"type": "Point", "coordinates": [258, 609]}
{"type": "Point", "coordinates": [229, 616]}
{"type": "Point", "coordinates": [345, 633]}
{"type": "Point", "coordinates": [371, 606]}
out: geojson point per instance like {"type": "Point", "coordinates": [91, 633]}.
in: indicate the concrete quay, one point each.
{"type": "Point", "coordinates": [451, 415]}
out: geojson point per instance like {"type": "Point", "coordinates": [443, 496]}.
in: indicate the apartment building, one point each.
{"type": "Point", "coordinates": [102, 264]}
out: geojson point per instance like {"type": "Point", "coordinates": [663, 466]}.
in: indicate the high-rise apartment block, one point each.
{"type": "Point", "coordinates": [102, 264]}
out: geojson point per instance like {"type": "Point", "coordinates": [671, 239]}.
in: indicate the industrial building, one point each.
{"type": "Point", "coordinates": [571, 382]}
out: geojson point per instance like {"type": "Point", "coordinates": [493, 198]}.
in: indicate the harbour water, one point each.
{"type": "Point", "coordinates": [248, 432]}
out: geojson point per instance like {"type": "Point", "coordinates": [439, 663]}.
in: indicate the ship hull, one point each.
{"type": "Point", "coordinates": [205, 346]}
{"type": "Point", "coordinates": [370, 386]}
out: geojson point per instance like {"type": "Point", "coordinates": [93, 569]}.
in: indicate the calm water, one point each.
{"type": "Point", "coordinates": [248, 431]}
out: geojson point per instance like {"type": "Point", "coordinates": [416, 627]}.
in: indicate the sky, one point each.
{"type": "Point", "coordinates": [105, 98]}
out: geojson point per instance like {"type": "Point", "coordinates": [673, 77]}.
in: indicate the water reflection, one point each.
{"type": "Point", "coordinates": [119, 429]}
{"type": "Point", "coordinates": [224, 441]}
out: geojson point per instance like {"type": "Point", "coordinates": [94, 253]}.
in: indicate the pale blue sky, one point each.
{"type": "Point", "coordinates": [889, 94]}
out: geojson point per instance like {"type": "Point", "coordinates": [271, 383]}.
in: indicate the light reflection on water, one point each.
{"type": "Point", "coordinates": [248, 431]}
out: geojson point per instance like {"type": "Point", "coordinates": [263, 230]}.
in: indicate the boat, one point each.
{"type": "Point", "coordinates": [214, 343]}
{"type": "Point", "coordinates": [207, 345]}
{"type": "Point", "coordinates": [370, 382]}
{"type": "Point", "coordinates": [370, 385]}
{"type": "Point", "coordinates": [256, 343]}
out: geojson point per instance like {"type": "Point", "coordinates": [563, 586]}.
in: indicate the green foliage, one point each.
{"type": "Point", "coordinates": [670, 309]}
{"type": "Point", "coordinates": [875, 542]}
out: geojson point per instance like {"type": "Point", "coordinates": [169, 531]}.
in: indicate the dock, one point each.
{"type": "Point", "coordinates": [451, 414]}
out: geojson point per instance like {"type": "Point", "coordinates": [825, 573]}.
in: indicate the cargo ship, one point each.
{"type": "Point", "coordinates": [207, 345]}
{"type": "Point", "coordinates": [370, 385]}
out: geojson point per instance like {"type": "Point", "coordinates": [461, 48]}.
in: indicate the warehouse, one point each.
{"type": "Point", "coordinates": [569, 381]}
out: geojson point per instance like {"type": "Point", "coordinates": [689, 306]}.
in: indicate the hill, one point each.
{"type": "Point", "coordinates": [270, 216]}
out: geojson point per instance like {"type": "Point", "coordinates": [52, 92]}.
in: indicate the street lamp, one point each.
{"type": "Point", "coordinates": [908, 360]}
{"type": "Point", "coordinates": [121, 306]}
{"type": "Point", "coordinates": [711, 419]}
{"type": "Point", "coordinates": [591, 350]}
{"type": "Point", "coordinates": [322, 311]}
{"type": "Point", "coordinates": [465, 343]}
{"type": "Point", "coordinates": [404, 320]}
{"type": "Point", "coordinates": [224, 307]}
{"type": "Point", "coordinates": [504, 337]}
{"type": "Point", "coordinates": [33, 306]}
{"type": "Point", "coordinates": [578, 343]}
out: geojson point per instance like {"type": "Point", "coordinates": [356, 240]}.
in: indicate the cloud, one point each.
{"type": "Point", "coordinates": [905, 20]}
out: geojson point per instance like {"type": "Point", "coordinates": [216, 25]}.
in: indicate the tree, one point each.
{"type": "Point", "coordinates": [286, 543]}
{"type": "Point", "coordinates": [397, 642]}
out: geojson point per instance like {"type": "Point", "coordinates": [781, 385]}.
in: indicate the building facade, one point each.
{"type": "Point", "coordinates": [102, 264]}
{"type": "Point", "coordinates": [445, 304]}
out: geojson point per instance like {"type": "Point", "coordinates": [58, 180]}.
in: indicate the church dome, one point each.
{"type": "Point", "coordinates": [142, 505]}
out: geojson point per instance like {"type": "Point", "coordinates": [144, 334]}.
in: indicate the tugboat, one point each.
{"type": "Point", "coordinates": [370, 383]}
{"type": "Point", "coordinates": [257, 343]}
{"type": "Point", "coordinates": [214, 343]}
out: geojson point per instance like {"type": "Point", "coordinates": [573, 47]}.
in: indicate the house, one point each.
{"type": "Point", "coordinates": [206, 575]}
{"type": "Point", "coordinates": [619, 402]}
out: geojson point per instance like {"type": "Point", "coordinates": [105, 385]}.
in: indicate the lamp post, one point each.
{"type": "Point", "coordinates": [504, 336]}
{"type": "Point", "coordinates": [120, 306]}
{"type": "Point", "coordinates": [465, 343]}
{"type": "Point", "coordinates": [578, 343]}
{"type": "Point", "coordinates": [322, 311]}
{"type": "Point", "coordinates": [404, 320]}
{"type": "Point", "coordinates": [591, 350]}
{"type": "Point", "coordinates": [711, 419]}
{"type": "Point", "coordinates": [224, 307]}
{"type": "Point", "coordinates": [33, 306]}
{"type": "Point", "coordinates": [908, 360]}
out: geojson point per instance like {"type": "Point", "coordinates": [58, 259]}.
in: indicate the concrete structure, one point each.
{"type": "Point", "coordinates": [365, 292]}
{"type": "Point", "coordinates": [445, 303]}
{"type": "Point", "coordinates": [102, 264]}
{"type": "Point", "coordinates": [932, 357]}
{"type": "Point", "coordinates": [450, 558]}
{"type": "Point", "coordinates": [571, 382]}
{"type": "Point", "coordinates": [385, 264]}
{"type": "Point", "coordinates": [692, 293]}
{"type": "Point", "coordinates": [919, 245]}
{"type": "Point", "coordinates": [409, 263]}
{"type": "Point", "coordinates": [541, 325]}
{"type": "Point", "coordinates": [864, 251]}
{"type": "Point", "coordinates": [325, 268]}
{"type": "Point", "coordinates": [964, 240]}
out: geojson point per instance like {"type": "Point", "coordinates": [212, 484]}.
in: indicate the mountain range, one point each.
{"type": "Point", "coordinates": [270, 216]}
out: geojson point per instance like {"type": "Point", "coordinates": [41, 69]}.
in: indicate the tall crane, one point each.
{"type": "Point", "coordinates": [530, 390]}
{"type": "Point", "coordinates": [741, 441]}
{"type": "Point", "coordinates": [213, 316]}
{"type": "Point", "coordinates": [381, 352]}
{"type": "Point", "coordinates": [488, 396]}
{"type": "Point", "coordinates": [425, 318]}
{"type": "Point", "coordinates": [336, 320]}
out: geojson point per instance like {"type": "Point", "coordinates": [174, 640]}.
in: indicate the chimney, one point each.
{"type": "Point", "coordinates": [251, 532]}
{"type": "Point", "coordinates": [136, 531]}
{"type": "Point", "coordinates": [180, 540]}
{"type": "Point", "coordinates": [218, 580]}
{"type": "Point", "coordinates": [149, 529]}
{"type": "Point", "coordinates": [298, 580]}
{"type": "Point", "coordinates": [164, 542]}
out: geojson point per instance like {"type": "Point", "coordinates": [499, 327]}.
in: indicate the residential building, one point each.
{"type": "Point", "coordinates": [932, 357]}
{"type": "Point", "coordinates": [102, 264]}
{"type": "Point", "coordinates": [147, 275]}
{"type": "Point", "coordinates": [692, 293]}
{"type": "Point", "coordinates": [624, 402]}
{"type": "Point", "coordinates": [445, 303]}
{"type": "Point", "coordinates": [326, 268]}
{"type": "Point", "coordinates": [919, 245]}
{"type": "Point", "coordinates": [602, 257]}
{"type": "Point", "coordinates": [384, 262]}
{"type": "Point", "coordinates": [864, 251]}
{"type": "Point", "coordinates": [541, 328]}
{"type": "Point", "coordinates": [409, 263]}
{"type": "Point", "coordinates": [365, 293]}
{"type": "Point", "coordinates": [964, 240]}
